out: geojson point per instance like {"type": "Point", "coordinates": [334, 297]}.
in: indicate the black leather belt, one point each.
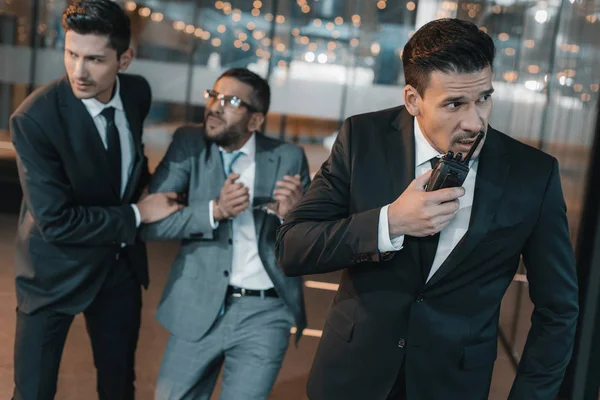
{"type": "Point", "coordinates": [240, 292]}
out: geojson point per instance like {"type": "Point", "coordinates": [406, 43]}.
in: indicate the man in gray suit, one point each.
{"type": "Point", "coordinates": [226, 301]}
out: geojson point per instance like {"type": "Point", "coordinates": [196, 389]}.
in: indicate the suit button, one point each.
{"type": "Point", "coordinates": [226, 273]}
{"type": "Point", "coordinates": [230, 241]}
{"type": "Point", "coordinates": [401, 343]}
{"type": "Point", "coordinates": [420, 298]}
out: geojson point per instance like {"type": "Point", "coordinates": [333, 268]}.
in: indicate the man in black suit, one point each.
{"type": "Point", "coordinates": [82, 169]}
{"type": "Point", "coordinates": [424, 273]}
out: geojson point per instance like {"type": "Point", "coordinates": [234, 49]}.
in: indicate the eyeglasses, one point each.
{"type": "Point", "coordinates": [227, 101]}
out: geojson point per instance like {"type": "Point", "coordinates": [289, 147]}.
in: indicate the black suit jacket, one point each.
{"type": "Point", "coordinates": [444, 331]}
{"type": "Point", "coordinates": [72, 221]}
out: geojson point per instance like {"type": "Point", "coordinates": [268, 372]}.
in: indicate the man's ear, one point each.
{"type": "Point", "coordinates": [256, 121]}
{"type": "Point", "coordinates": [412, 100]}
{"type": "Point", "coordinates": [125, 59]}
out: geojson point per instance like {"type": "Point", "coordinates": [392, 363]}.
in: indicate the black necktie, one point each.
{"type": "Point", "coordinates": [428, 244]}
{"type": "Point", "coordinates": [113, 148]}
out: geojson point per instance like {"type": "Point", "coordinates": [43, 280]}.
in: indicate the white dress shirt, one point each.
{"type": "Point", "coordinates": [95, 108]}
{"type": "Point", "coordinates": [247, 269]}
{"type": "Point", "coordinates": [455, 230]}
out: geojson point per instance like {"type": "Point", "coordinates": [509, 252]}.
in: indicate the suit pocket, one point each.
{"type": "Point", "coordinates": [502, 233]}
{"type": "Point", "coordinates": [340, 324]}
{"type": "Point", "coordinates": [479, 355]}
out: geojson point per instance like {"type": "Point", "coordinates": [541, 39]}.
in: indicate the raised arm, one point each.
{"type": "Point", "coordinates": [173, 175]}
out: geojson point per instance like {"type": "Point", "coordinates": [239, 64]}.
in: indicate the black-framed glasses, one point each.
{"type": "Point", "coordinates": [227, 101]}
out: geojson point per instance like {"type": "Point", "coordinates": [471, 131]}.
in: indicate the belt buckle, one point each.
{"type": "Point", "coordinates": [242, 293]}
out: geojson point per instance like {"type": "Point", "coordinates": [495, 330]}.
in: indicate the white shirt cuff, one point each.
{"type": "Point", "coordinates": [213, 224]}
{"type": "Point", "coordinates": [384, 242]}
{"type": "Point", "coordinates": [138, 217]}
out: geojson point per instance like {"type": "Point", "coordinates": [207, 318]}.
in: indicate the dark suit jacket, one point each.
{"type": "Point", "coordinates": [72, 221]}
{"type": "Point", "coordinates": [198, 281]}
{"type": "Point", "coordinates": [444, 331]}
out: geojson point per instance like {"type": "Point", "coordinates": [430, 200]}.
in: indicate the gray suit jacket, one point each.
{"type": "Point", "coordinates": [198, 280]}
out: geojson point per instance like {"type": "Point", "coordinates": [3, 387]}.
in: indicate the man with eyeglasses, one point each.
{"type": "Point", "coordinates": [226, 301]}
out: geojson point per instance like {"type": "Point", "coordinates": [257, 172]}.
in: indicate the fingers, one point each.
{"type": "Point", "coordinates": [293, 179]}
{"type": "Point", "coordinates": [239, 192]}
{"type": "Point", "coordinates": [239, 208]}
{"type": "Point", "coordinates": [232, 178]}
{"type": "Point", "coordinates": [174, 207]}
{"type": "Point", "coordinates": [434, 226]}
{"type": "Point", "coordinates": [232, 203]}
{"type": "Point", "coordinates": [442, 226]}
{"type": "Point", "coordinates": [442, 220]}
{"type": "Point", "coordinates": [234, 188]}
{"type": "Point", "coordinates": [233, 210]}
{"type": "Point", "coordinates": [284, 192]}
{"type": "Point", "coordinates": [235, 197]}
{"type": "Point", "coordinates": [420, 181]}
{"type": "Point", "coordinates": [169, 195]}
{"type": "Point", "coordinates": [447, 208]}
{"type": "Point", "coordinates": [280, 198]}
{"type": "Point", "coordinates": [291, 183]}
{"type": "Point", "coordinates": [444, 195]}
{"type": "Point", "coordinates": [291, 186]}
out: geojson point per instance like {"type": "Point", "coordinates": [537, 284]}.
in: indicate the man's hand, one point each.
{"type": "Point", "coordinates": [233, 199]}
{"type": "Point", "coordinates": [288, 193]}
{"type": "Point", "coordinates": [157, 206]}
{"type": "Point", "coordinates": [420, 213]}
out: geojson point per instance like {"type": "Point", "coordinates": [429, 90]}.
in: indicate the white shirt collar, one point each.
{"type": "Point", "coordinates": [95, 107]}
{"type": "Point", "coordinates": [249, 148]}
{"type": "Point", "coordinates": [423, 150]}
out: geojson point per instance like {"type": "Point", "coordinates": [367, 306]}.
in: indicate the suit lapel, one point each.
{"type": "Point", "coordinates": [399, 145]}
{"type": "Point", "coordinates": [491, 178]}
{"type": "Point", "coordinates": [136, 128]}
{"type": "Point", "coordinates": [84, 135]}
{"type": "Point", "coordinates": [267, 166]}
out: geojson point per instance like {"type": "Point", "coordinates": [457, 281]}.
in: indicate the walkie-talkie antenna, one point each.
{"type": "Point", "coordinates": [473, 147]}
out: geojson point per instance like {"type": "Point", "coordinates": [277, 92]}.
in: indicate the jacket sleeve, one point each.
{"type": "Point", "coordinates": [48, 195]}
{"type": "Point", "coordinates": [552, 278]}
{"type": "Point", "coordinates": [320, 235]}
{"type": "Point", "coordinates": [173, 175]}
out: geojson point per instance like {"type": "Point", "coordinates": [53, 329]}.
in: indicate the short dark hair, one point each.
{"type": "Point", "coordinates": [99, 17]}
{"type": "Point", "coordinates": [261, 92]}
{"type": "Point", "coordinates": [445, 45]}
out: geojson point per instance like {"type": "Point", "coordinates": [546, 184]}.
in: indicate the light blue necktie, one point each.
{"type": "Point", "coordinates": [229, 159]}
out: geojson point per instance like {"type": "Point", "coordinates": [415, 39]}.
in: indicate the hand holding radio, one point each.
{"type": "Point", "coordinates": [431, 201]}
{"type": "Point", "coordinates": [419, 213]}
